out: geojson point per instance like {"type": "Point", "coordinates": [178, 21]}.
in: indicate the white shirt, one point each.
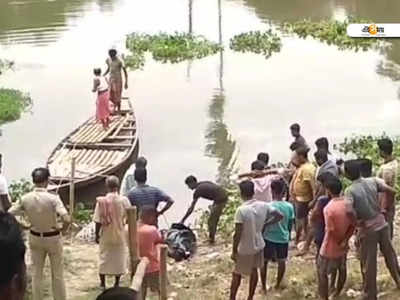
{"type": "Point", "coordinates": [262, 188]}
{"type": "Point", "coordinates": [252, 214]}
{"type": "Point", "coordinates": [103, 86]}
{"type": "Point", "coordinates": [3, 189]}
{"type": "Point", "coordinates": [3, 185]}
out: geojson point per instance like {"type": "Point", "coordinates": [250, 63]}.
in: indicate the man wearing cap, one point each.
{"type": "Point", "coordinates": [41, 208]}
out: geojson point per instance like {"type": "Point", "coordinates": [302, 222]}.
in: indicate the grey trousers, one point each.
{"type": "Point", "coordinates": [215, 213]}
{"type": "Point", "coordinates": [368, 259]}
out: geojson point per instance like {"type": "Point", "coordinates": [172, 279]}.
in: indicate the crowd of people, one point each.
{"type": "Point", "coordinates": [304, 197]}
{"type": "Point", "coordinates": [43, 210]}
{"type": "Point", "coordinates": [312, 198]}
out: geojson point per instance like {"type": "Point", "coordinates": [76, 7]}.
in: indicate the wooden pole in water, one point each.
{"type": "Point", "coordinates": [133, 241]}
{"type": "Point", "coordinates": [163, 272]}
{"type": "Point", "coordinates": [72, 189]}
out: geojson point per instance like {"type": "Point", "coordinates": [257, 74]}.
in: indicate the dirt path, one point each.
{"type": "Point", "coordinates": [207, 276]}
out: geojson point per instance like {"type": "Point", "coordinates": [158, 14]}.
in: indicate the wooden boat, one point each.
{"type": "Point", "coordinates": [97, 152]}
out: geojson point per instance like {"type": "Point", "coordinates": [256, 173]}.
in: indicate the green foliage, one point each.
{"type": "Point", "coordinates": [366, 146]}
{"type": "Point", "coordinates": [332, 32]}
{"type": "Point", "coordinates": [19, 188]}
{"type": "Point", "coordinates": [12, 104]}
{"type": "Point", "coordinates": [264, 43]}
{"type": "Point", "coordinates": [82, 215]}
{"type": "Point", "coordinates": [172, 48]}
{"type": "Point", "coordinates": [226, 223]}
{"type": "Point", "coordinates": [135, 60]}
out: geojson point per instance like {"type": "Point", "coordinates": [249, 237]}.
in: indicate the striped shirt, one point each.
{"type": "Point", "coordinates": [147, 195]}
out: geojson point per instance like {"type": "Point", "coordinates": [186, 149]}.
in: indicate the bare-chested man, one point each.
{"type": "Point", "coordinates": [114, 66]}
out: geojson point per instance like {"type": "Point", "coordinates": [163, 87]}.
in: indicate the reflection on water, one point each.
{"type": "Point", "coordinates": [220, 143]}
{"type": "Point", "coordinates": [387, 11]}
{"type": "Point", "coordinates": [41, 22]}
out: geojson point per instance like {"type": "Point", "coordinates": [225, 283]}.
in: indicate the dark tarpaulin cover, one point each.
{"type": "Point", "coordinates": [181, 242]}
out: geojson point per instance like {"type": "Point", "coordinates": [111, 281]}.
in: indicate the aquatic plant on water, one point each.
{"type": "Point", "coordinates": [5, 65]}
{"type": "Point", "coordinates": [135, 60]}
{"type": "Point", "coordinates": [172, 48]}
{"type": "Point", "coordinates": [260, 42]}
{"type": "Point", "coordinates": [332, 32]}
{"type": "Point", "coordinates": [12, 104]}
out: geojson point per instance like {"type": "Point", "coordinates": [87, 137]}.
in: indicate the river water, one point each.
{"type": "Point", "coordinates": [197, 117]}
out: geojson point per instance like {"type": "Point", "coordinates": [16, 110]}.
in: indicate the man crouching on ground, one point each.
{"type": "Point", "coordinates": [248, 243]}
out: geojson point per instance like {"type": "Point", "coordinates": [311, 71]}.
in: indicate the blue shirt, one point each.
{"type": "Point", "coordinates": [279, 232]}
{"type": "Point", "coordinates": [147, 195]}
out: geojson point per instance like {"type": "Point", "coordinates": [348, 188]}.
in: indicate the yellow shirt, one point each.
{"type": "Point", "coordinates": [389, 172]}
{"type": "Point", "coordinates": [304, 180]}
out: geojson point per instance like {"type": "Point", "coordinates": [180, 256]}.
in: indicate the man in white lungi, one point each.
{"type": "Point", "coordinates": [110, 216]}
{"type": "Point", "coordinates": [41, 208]}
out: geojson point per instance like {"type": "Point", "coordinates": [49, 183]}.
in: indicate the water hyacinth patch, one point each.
{"type": "Point", "coordinates": [5, 65]}
{"type": "Point", "coordinates": [264, 43]}
{"type": "Point", "coordinates": [172, 48]}
{"type": "Point", "coordinates": [12, 104]}
{"type": "Point", "coordinates": [332, 32]}
{"type": "Point", "coordinates": [135, 60]}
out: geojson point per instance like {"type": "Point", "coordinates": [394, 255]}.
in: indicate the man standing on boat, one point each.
{"type": "Point", "coordinates": [41, 209]}
{"type": "Point", "coordinates": [115, 66]}
{"type": "Point", "coordinates": [210, 191]}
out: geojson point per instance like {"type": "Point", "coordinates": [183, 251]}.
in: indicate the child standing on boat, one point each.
{"type": "Point", "coordinates": [100, 85]}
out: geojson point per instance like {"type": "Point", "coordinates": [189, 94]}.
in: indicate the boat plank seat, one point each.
{"type": "Point", "coordinates": [93, 132]}
{"type": "Point", "coordinates": [88, 161]}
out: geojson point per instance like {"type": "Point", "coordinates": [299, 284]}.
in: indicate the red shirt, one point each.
{"type": "Point", "coordinates": [339, 227]}
{"type": "Point", "coordinates": [148, 238]}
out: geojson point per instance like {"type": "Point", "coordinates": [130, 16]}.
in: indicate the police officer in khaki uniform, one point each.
{"type": "Point", "coordinates": [41, 208]}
